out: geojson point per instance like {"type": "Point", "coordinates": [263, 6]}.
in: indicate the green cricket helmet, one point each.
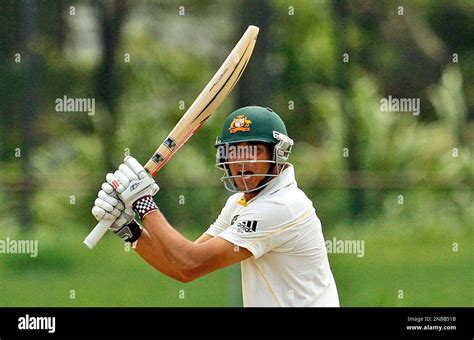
{"type": "Point", "coordinates": [257, 125]}
{"type": "Point", "coordinates": [252, 124]}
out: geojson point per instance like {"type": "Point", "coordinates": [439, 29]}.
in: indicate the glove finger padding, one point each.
{"type": "Point", "coordinates": [108, 198]}
{"type": "Point", "coordinates": [99, 202]}
{"type": "Point", "coordinates": [135, 166]}
{"type": "Point", "coordinates": [100, 213]}
{"type": "Point", "coordinates": [114, 182]}
{"type": "Point", "coordinates": [111, 199]}
{"type": "Point", "coordinates": [108, 189]}
{"type": "Point", "coordinates": [123, 179]}
{"type": "Point", "coordinates": [125, 169]}
{"type": "Point", "coordinates": [107, 207]}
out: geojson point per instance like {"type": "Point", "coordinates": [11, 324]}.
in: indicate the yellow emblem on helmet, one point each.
{"type": "Point", "coordinates": [240, 123]}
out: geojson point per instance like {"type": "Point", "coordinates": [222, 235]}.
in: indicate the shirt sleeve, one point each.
{"type": "Point", "coordinates": [222, 221]}
{"type": "Point", "coordinates": [262, 228]}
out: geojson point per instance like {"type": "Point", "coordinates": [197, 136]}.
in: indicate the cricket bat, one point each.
{"type": "Point", "coordinates": [202, 108]}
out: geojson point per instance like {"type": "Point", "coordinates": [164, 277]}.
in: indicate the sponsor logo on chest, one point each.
{"type": "Point", "coordinates": [246, 227]}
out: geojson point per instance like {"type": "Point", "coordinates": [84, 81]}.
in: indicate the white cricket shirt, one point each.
{"type": "Point", "coordinates": [279, 226]}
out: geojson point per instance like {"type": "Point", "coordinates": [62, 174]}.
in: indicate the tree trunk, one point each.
{"type": "Point", "coordinates": [254, 86]}
{"type": "Point", "coordinates": [108, 82]}
{"type": "Point", "coordinates": [28, 109]}
{"type": "Point", "coordinates": [354, 178]}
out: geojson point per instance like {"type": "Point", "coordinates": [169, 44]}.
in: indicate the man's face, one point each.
{"type": "Point", "coordinates": [247, 151]}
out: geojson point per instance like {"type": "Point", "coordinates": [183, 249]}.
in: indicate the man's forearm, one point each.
{"type": "Point", "coordinates": [165, 248]}
{"type": "Point", "coordinates": [155, 256]}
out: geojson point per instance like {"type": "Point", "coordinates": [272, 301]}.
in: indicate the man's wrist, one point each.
{"type": "Point", "coordinates": [130, 232]}
{"type": "Point", "coordinates": [144, 205]}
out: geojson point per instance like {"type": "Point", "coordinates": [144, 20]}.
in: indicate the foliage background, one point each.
{"type": "Point", "coordinates": [403, 183]}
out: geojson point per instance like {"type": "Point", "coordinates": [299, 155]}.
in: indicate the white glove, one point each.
{"type": "Point", "coordinates": [108, 207]}
{"type": "Point", "coordinates": [135, 187]}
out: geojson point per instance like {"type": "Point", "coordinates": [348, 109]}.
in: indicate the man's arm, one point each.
{"type": "Point", "coordinates": [203, 238]}
{"type": "Point", "coordinates": [159, 244]}
{"type": "Point", "coordinates": [155, 256]}
{"type": "Point", "coordinates": [172, 254]}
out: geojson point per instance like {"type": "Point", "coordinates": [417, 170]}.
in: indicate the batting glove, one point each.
{"type": "Point", "coordinates": [108, 206]}
{"type": "Point", "coordinates": [135, 187]}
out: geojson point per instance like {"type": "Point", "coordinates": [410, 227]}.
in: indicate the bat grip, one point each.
{"type": "Point", "coordinates": [96, 234]}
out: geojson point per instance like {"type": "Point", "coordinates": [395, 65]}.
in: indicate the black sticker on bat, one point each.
{"type": "Point", "coordinates": [157, 158]}
{"type": "Point", "coordinates": [170, 143]}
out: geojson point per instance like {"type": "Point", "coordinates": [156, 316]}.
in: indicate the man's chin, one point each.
{"type": "Point", "coordinates": [247, 186]}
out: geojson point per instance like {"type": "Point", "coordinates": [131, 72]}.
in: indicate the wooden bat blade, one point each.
{"type": "Point", "coordinates": [208, 100]}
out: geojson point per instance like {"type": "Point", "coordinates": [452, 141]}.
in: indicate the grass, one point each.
{"type": "Point", "coordinates": [406, 265]}
{"type": "Point", "coordinates": [420, 261]}
{"type": "Point", "coordinates": [105, 276]}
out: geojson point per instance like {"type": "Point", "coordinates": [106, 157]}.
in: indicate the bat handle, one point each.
{"type": "Point", "coordinates": [96, 234]}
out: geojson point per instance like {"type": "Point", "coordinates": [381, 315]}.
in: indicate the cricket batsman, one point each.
{"type": "Point", "coordinates": [268, 224]}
